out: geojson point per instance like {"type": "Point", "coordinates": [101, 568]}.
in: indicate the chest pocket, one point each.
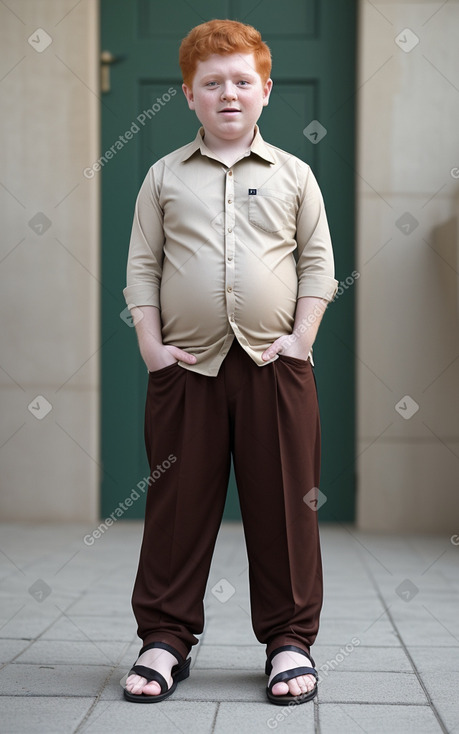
{"type": "Point", "coordinates": [271, 211]}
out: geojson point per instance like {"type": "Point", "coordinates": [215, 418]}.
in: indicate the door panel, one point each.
{"type": "Point", "coordinates": [146, 116]}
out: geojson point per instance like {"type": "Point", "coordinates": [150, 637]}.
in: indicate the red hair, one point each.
{"type": "Point", "coordinates": [222, 37]}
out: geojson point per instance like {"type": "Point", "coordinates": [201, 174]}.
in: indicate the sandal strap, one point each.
{"type": "Point", "coordinates": [292, 673]}
{"type": "Point", "coordinates": [285, 648]}
{"type": "Point", "coordinates": [150, 675]}
{"type": "Point", "coordinates": [163, 646]}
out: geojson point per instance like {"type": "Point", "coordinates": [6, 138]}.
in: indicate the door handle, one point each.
{"type": "Point", "coordinates": [106, 60]}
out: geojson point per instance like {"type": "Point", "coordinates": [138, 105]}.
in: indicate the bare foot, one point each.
{"type": "Point", "coordinates": [158, 659]}
{"type": "Point", "coordinates": [296, 686]}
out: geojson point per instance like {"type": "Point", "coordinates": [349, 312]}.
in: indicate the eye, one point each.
{"type": "Point", "coordinates": [211, 84]}
{"type": "Point", "coordinates": [243, 82]}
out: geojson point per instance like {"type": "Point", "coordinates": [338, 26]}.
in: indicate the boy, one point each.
{"type": "Point", "coordinates": [226, 320]}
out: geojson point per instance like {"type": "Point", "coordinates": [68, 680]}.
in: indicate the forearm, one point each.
{"type": "Point", "coordinates": [308, 315]}
{"type": "Point", "coordinates": [147, 321]}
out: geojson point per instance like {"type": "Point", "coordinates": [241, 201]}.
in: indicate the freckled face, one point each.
{"type": "Point", "coordinates": [228, 95]}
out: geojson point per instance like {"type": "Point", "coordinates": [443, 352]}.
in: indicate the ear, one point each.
{"type": "Point", "coordinates": [267, 91]}
{"type": "Point", "coordinates": [188, 92]}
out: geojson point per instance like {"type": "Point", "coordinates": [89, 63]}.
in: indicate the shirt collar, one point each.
{"type": "Point", "coordinates": [258, 146]}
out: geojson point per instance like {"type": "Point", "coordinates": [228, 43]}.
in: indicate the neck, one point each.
{"type": "Point", "coordinates": [229, 150]}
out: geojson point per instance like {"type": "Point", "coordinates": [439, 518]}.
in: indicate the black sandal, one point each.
{"type": "Point", "coordinates": [288, 675]}
{"type": "Point", "coordinates": [179, 672]}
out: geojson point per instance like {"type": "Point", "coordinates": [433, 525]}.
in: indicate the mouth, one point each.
{"type": "Point", "coordinates": [228, 111]}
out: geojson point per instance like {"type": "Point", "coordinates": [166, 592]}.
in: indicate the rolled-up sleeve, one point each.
{"type": "Point", "coordinates": [144, 266]}
{"type": "Point", "coordinates": [315, 265]}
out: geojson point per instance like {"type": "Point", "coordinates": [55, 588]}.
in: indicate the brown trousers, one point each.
{"type": "Point", "coordinates": [268, 418]}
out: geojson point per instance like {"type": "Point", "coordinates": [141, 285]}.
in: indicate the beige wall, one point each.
{"type": "Point", "coordinates": [408, 105]}
{"type": "Point", "coordinates": [407, 323]}
{"type": "Point", "coordinates": [49, 328]}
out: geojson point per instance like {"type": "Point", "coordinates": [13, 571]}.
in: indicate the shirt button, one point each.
{"type": "Point", "coordinates": [229, 289]}
{"type": "Point", "coordinates": [232, 317]}
{"type": "Point", "coordinates": [230, 258]}
{"type": "Point", "coordinates": [230, 229]}
{"type": "Point", "coordinates": [230, 201]}
{"type": "Point", "coordinates": [230, 173]}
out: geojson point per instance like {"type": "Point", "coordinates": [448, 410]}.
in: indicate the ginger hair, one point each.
{"type": "Point", "coordinates": [222, 37]}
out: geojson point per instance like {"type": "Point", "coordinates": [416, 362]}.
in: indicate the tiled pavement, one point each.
{"type": "Point", "coordinates": [387, 651]}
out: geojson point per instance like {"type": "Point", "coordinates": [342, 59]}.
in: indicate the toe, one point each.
{"type": "Point", "coordinates": [301, 684]}
{"type": "Point", "coordinates": [135, 683]}
{"type": "Point", "coordinates": [152, 689]}
{"type": "Point", "coordinates": [161, 660]}
{"type": "Point", "coordinates": [294, 686]}
{"type": "Point", "coordinates": [280, 689]}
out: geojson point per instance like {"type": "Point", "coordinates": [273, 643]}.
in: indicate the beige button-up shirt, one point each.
{"type": "Point", "coordinates": [226, 252]}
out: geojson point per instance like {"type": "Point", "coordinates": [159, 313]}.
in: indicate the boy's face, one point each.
{"type": "Point", "coordinates": [228, 95]}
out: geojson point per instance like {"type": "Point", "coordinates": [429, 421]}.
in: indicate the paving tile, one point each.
{"type": "Point", "coordinates": [66, 584]}
{"type": "Point", "coordinates": [260, 718]}
{"type": "Point", "coordinates": [23, 629]}
{"type": "Point", "coordinates": [431, 610]}
{"type": "Point", "coordinates": [388, 688]}
{"type": "Point", "coordinates": [9, 649]}
{"type": "Point", "coordinates": [52, 680]}
{"type": "Point", "coordinates": [115, 589]}
{"type": "Point", "coordinates": [50, 714]}
{"type": "Point", "coordinates": [218, 613]}
{"type": "Point", "coordinates": [84, 628]}
{"type": "Point", "coordinates": [238, 604]}
{"type": "Point", "coordinates": [371, 688]}
{"type": "Point", "coordinates": [63, 652]}
{"type": "Point", "coordinates": [340, 588]}
{"type": "Point", "coordinates": [47, 607]}
{"type": "Point", "coordinates": [167, 717]}
{"type": "Point", "coordinates": [440, 660]}
{"type": "Point", "coordinates": [434, 585]}
{"type": "Point", "coordinates": [443, 690]}
{"type": "Point", "coordinates": [360, 658]}
{"type": "Point", "coordinates": [203, 685]}
{"type": "Point", "coordinates": [95, 604]}
{"type": "Point", "coordinates": [446, 598]}
{"type": "Point", "coordinates": [228, 657]}
{"type": "Point", "coordinates": [361, 607]}
{"type": "Point", "coordinates": [234, 631]}
{"type": "Point", "coordinates": [372, 631]}
{"type": "Point", "coordinates": [432, 632]}
{"type": "Point", "coordinates": [376, 719]}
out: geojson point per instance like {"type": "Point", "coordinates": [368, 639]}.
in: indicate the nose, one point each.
{"type": "Point", "coordinates": [229, 91]}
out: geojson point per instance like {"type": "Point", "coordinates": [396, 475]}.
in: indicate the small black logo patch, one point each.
{"type": "Point", "coordinates": [252, 192]}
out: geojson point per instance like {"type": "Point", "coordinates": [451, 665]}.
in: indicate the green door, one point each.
{"type": "Point", "coordinates": [145, 116]}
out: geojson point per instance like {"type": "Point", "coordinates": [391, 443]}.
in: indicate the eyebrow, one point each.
{"type": "Point", "coordinates": [211, 75]}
